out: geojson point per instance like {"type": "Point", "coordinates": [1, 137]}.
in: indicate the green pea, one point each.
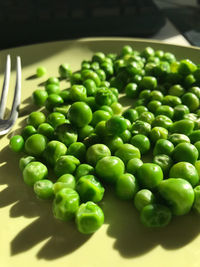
{"type": "Point", "coordinates": [194, 136]}
{"type": "Point", "coordinates": [33, 172]}
{"type": "Point", "coordinates": [163, 146]}
{"type": "Point", "coordinates": [147, 117]}
{"type": "Point", "coordinates": [90, 86]}
{"type": "Point", "coordinates": [41, 71]}
{"type": "Point", "coordinates": [153, 105]}
{"type": "Point", "coordinates": [46, 129]}
{"type": "Point", "coordinates": [165, 110]}
{"type": "Point", "coordinates": [130, 114]}
{"type": "Point", "coordinates": [126, 186]}
{"type": "Point", "coordinates": [39, 97]}
{"type": "Point", "coordinates": [126, 136]}
{"type": "Point", "coordinates": [66, 133]}
{"type": "Point", "coordinates": [36, 118]}
{"type": "Point", "coordinates": [191, 101]}
{"type": "Point", "coordinates": [66, 164]}
{"type": "Point", "coordinates": [197, 145]}
{"type": "Point", "coordinates": [52, 101]}
{"type": "Point", "coordinates": [78, 150]}
{"type": "Point", "coordinates": [126, 152]}
{"type": "Point", "coordinates": [155, 215]}
{"type": "Point", "coordinates": [131, 90]}
{"type": "Point", "coordinates": [184, 126]}
{"type": "Point", "coordinates": [109, 168]}
{"type": "Point", "coordinates": [80, 114]}
{"type": "Point", "coordinates": [52, 88]}
{"type": "Point", "coordinates": [145, 94]}
{"type": "Point", "coordinates": [196, 204]}
{"type": "Point", "coordinates": [25, 161]}
{"type": "Point", "coordinates": [16, 143]}
{"type": "Point", "coordinates": [185, 152]}
{"type": "Point", "coordinates": [99, 57]}
{"type": "Point", "coordinates": [140, 109]}
{"type": "Point", "coordinates": [147, 52]}
{"type": "Point", "coordinates": [141, 142]}
{"type": "Point", "coordinates": [116, 125]}
{"type": "Point", "coordinates": [78, 93]}
{"type": "Point", "coordinates": [83, 170]}
{"type": "Point", "coordinates": [180, 111]}
{"type": "Point", "coordinates": [186, 67]}
{"type": "Point", "coordinates": [100, 115]}
{"type": "Point", "coordinates": [28, 131]}
{"type": "Point", "coordinates": [176, 90]}
{"type": "Point", "coordinates": [55, 119]}
{"type": "Point", "coordinates": [158, 133]}
{"type": "Point", "coordinates": [141, 127]}
{"type": "Point", "coordinates": [64, 181]}
{"type": "Point", "coordinates": [107, 108]}
{"type": "Point", "coordinates": [162, 121]}
{"type": "Point", "coordinates": [89, 218]}
{"type": "Point", "coordinates": [178, 194]}
{"type": "Point", "coordinates": [85, 131]}
{"type": "Point", "coordinates": [164, 161]}
{"type": "Point", "coordinates": [65, 71]}
{"type": "Point", "coordinates": [35, 144]}
{"type": "Point", "coordinates": [178, 138]}
{"type": "Point", "coordinates": [171, 100]}
{"type": "Point", "coordinates": [44, 189]}
{"type": "Point", "coordinates": [65, 204]}
{"type": "Point", "coordinates": [143, 198]}
{"type": "Point", "coordinates": [52, 80]}
{"type": "Point", "coordinates": [133, 165]}
{"type": "Point", "coordinates": [195, 90]}
{"type": "Point", "coordinates": [113, 142]}
{"type": "Point", "coordinates": [76, 78]}
{"type": "Point", "coordinates": [116, 108]}
{"type": "Point", "coordinates": [89, 74]}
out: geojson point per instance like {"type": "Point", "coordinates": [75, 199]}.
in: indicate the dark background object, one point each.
{"type": "Point", "coordinates": [31, 21]}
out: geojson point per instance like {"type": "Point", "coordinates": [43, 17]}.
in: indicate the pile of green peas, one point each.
{"type": "Point", "coordinates": [89, 140]}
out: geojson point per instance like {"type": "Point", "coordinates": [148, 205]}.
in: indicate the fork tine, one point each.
{"type": "Point", "coordinates": [5, 87]}
{"type": "Point", "coordinates": [17, 96]}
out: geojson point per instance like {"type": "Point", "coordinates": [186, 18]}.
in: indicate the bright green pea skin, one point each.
{"type": "Point", "coordinates": [52, 88]}
{"type": "Point", "coordinates": [184, 126]}
{"type": "Point", "coordinates": [195, 90]}
{"type": "Point", "coordinates": [126, 136]}
{"type": "Point", "coordinates": [116, 125]}
{"type": "Point", "coordinates": [83, 170]}
{"type": "Point", "coordinates": [191, 101]}
{"type": "Point", "coordinates": [147, 117]}
{"type": "Point", "coordinates": [34, 171]}
{"type": "Point", "coordinates": [104, 96]}
{"type": "Point", "coordinates": [16, 143]}
{"type": "Point", "coordinates": [92, 140]}
{"type": "Point", "coordinates": [36, 118]}
{"type": "Point", "coordinates": [25, 161]}
{"type": "Point", "coordinates": [84, 132]}
{"type": "Point", "coordinates": [55, 119]}
{"type": "Point", "coordinates": [156, 95]}
{"type": "Point", "coordinates": [65, 164]}
{"type": "Point", "coordinates": [44, 189]}
{"type": "Point", "coordinates": [52, 80]}
{"type": "Point", "coordinates": [171, 100]}
{"type": "Point", "coordinates": [131, 90]}
{"type": "Point", "coordinates": [164, 161]}
{"type": "Point", "coordinates": [186, 67]}
{"type": "Point", "coordinates": [35, 144]}
{"type": "Point", "coordinates": [148, 82]}
{"type": "Point", "coordinates": [65, 71]}
{"type": "Point", "coordinates": [154, 174]}
{"type": "Point", "coordinates": [196, 204]}
{"type": "Point", "coordinates": [163, 146]}
{"type": "Point", "coordinates": [100, 128]}
{"type": "Point", "coordinates": [143, 198]}
{"type": "Point", "coordinates": [185, 170]}
{"type": "Point", "coordinates": [158, 133]}
{"type": "Point", "coordinates": [41, 71]}
{"type": "Point", "coordinates": [107, 108]}
{"type": "Point", "coordinates": [130, 114]}
{"type": "Point", "coordinates": [46, 129]}
{"type": "Point", "coordinates": [140, 109]}
{"type": "Point", "coordinates": [197, 145]}
{"type": "Point", "coordinates": [155, 216]}
{"type": "Point", "coordinates": [178, 138]}
{"type": "Point", "coordinates": [109, 168]}
{"type": "Point", "coordinates": [96, 152]}
{"type": "Point", "coordinates": [100, 115]}
{"type": "Point", "coordinates": [153, 105]}
{"type": "Point", "coordinates": [66, 134]}
{"type": "Point", "coordinates": [145, 94]}
{"type": "Point", "coordinates": [116, 108]}
{"type": "Point", "coordinates": [176, 90]}
{"type": "Point", "coordinates": [113, 142]}
{"type": "Point", "coordinates": [90, 86]}
{"type": "Point", "coordinates": [165, 110]}
{"type": "Point", "coordinates": [64, 181]}
{"type": "Point", "coordinates": [126, 186]}
{"type": "Point", "coordinates": [89, 189]}
{"type": "Point", "coordinates": [76, 78]}
{"type": "Point", "coordinates": [141, 142]}
{"type": "Point", "coordinates": [39, 97]}
{"type": "Point", "coordinates": [78, 150]}
{"type": "Point", "coordinates": [133, 165]}
{"type": "Point", "coordinates": [78, 93]}
{"type": "Point", "coordinates": [53, 151]}
{"type": "Point", "coordinates": [80, 114]}
{"type": "Point", "coordinates": [141, 127]}
{"type": "Point", "coordinates": [195, 136]}
{"type": "Point", "coordinates": [52, 101]}
{"type": "Point", "coordinates": [89, 218]}
{"type": "Point", "coordinates": [65, 204]}
{"type": "Point", "coordinates": [126, 152]}
{"type": "Point", "coordinates": [180, 111]}
{"type": "Point", "coordinates": [162, 121]}
{"type": "Point", "coordinates": [28, 131]}
{"type": "Point", "coordinates": [178, 194]}
{"type": "Point", "coordinates": [185, 152]}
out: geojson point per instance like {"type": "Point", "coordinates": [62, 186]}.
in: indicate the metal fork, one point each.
{"type": "Point", "coordinates": [7, 124]}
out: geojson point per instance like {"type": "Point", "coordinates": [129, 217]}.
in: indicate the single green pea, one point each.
{"type": "Point", "coordinates": [35, 144]}
{"type": "Point", "coordinates": [100, 128]}
{"type": "Point", "coordinates": [65, 95]}
{"type": "Point", "coordinates": [78, 93]}
{"type": "Point", "coordinates": [130, 114]}
{"type": "Point", "coordinates": [126, 136]}
{"type": "Point", "coordinates": [89, 189]}
{"type": "Point", "coordinates": [171, 100]}
{"type": "Point", "coordinates": [53, 151]}
{"type": "Point", "coordinates": [191, 116]}
{"type": "Point", "coordinates": [148, 52]}
{"type": "Point", "coordinates": [189, 80]}
{"type": "Point", "coordinates": [141, 142]}
{"type": "Point", "coordinates": [126, 152]}
{"type": "Point", "coordinates": [140, 109]}
{"type": "Point", "coordinates": [158, 133]}
{"type": "Point", "coordinates": [76, 78]}
{"type": "Point", "coordinates": [126, 186]}
{"type": "Point", "coordinates": [90, 86]}
{"type": "Point", "coordinates": [154, 174]}
{"type": "Point", "coordinates": [196, 204]}
{"type": "Point", "coordinates": [194, 136]}
{"type": "Point", "coordinates": [46, 129]}
{"type": "Point", "coordinates": [133, 165]}
{"type": "Point", "coordinates": [36, 118]}
{"type": "Point", "coordinates": [176, 90]}
{"type": "Point", "coordinates": [55, 119]}
{"type": "Point", "coordinates": [131, 90]}
{"type": "Point", "coordinates": [53, 100]}
{"type": "Point", "coordinates": [85, 131]}
{"type": "Point", "coordinates": [89, 218]}
{"type": "Point", "coordinates": [180, 111]}
{"type": "Point", "coordinates": [83, 170]}
{"type": "Point", "coordinates": [113, 142]}
{"type": "Point", "coordinates": [52, 88]}
{"type": "Point", "coordinates": [65, 204]}
{"type": "Point", "coordinates": [195, 90]}
{"type": "Point", "coordinates": [164, 161]}
{"type": "Point", "coordinates": [148, 82]}
{"type": "Point", "coordinates": [52, 80]}
{"type": "Point", "coordinates": [34, 171]}
{"type": "Point", "coordinates": [184, 126]}
{"type": "Point", "coordinates": [98, 57]}
{"type": "Point", "coordinates": [100, 115]}
{"type": "Point", "coordinates": [44, 189]}
{"type": "Point", "coordinates": [162, 70]}
{"type": "Point", "coordinates": [104, 96]}
{"type": "Point", "coordinates": [191, 101]}
{"type": "Point", "coordinates": [92, 139]}
{"type": "Point", "coordinates": [155, 215]}
{"type": "Point", "coordinates": [109, 168]}
{"type": "Point", "coordinates": [64, 181]}
{"type": "Point", "coordinates": [156, 95]}
{"type": "Point", "coordinates": [186, 67]}
{"type": "Point", "coordinates": [80, 114]}
{"type": "Point", "coordinates": [153, 105]}
{"type": "Point", "coordinates": [41, 71]}
{"type": "Point", "coordinates": [28, 131]}
{"type": "Point", "coordinates": [133, 68]}
{"type": "Point", "coordinates": [147, 117]}
{"type": "Point", "coordinates": [65, 71]}
{"type": "Point", "coordinates": [197, 145]}
{"type": "Point", "coordinates": [39, 97]}
{"type": "Point", "coordinates": [96, 152]}
{"type": "Point", "coordinates": [178, 138]}
{"type": "Point", "coordinates": [141, 127]}
{"type": "Point", "coordinates": [107, 108]}
{"type": "Point", "coordinates": [66, 164]}
{"type": "Point", "coordinates": [178, 194]}
{"type": "Point", "coordinates": [89, 74]}
{"type": "Point", "coordinates": [185, 152]}
{"type": "Point", "coordinates": [66, 133]}
{"type": "Point", "coordinates": [145, 94]}
{"type": "Point", "coordinates": [169, 57]}
{"type": "Point", "coordinates": [143, 198]}
{"type": "Point", "coordinates": [185, 170]}
{"type": "Point", "coordinates": [165, 110]}
{"type": "Point", "coordinates": [162, 121]}
{"type": "Point", "coordinates": [16, 143]}
{"type": "Point", "coordinates": [78, 150]}
{"type": "Point", "coordinates": [159, 53]}
{"type": "Point", "coordinates": [25, 161]}
{"type": "Point", "coordinates": [116, 108]}
{"type": "Point", "coordinates": [163, 146]}
{"type": "Point", "coordinates": [116, 125]}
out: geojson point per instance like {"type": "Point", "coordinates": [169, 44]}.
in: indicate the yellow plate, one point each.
{"type": "Point", "coordinates": [30, 236]}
